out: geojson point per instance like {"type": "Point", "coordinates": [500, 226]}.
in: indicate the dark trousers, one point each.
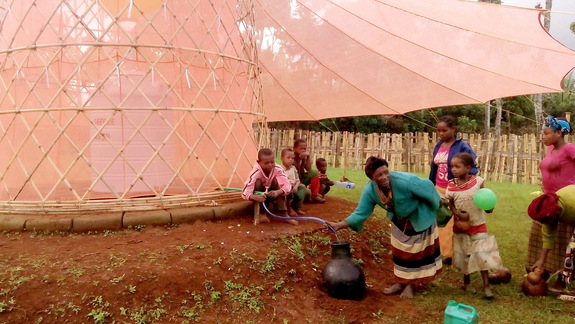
{"type": "Point", "coordinates": [278, 203]}
{"type": "Point", "coordinates": [296, 200]}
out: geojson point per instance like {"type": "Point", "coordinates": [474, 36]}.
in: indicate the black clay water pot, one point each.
{"type": "Point", "coordinates": [342, 277]}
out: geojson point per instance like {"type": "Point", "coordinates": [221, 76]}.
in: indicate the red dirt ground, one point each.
{"type": "Point", "coordinates": [226, 271]}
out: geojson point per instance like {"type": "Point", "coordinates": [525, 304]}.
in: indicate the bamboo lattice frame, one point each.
{"type": "Point", "coordinates": [105, 101]}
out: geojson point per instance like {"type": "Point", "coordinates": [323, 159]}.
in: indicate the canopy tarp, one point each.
{"type": "Point", "coordinates": [335, 58]}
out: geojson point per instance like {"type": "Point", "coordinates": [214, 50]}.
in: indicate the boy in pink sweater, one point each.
{"type": "Point", "coordinates": [268, 177]}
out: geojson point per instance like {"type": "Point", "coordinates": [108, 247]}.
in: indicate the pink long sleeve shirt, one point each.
{"type": "Point", "coordinates": [257, 173]}
{"type": "Point", "coordinates": [558, 168]}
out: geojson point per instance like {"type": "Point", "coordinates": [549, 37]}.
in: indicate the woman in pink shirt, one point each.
{"type": "Point", "coordinates": [557, 171]}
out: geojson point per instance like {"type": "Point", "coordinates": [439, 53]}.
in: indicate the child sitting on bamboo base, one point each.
{"type": "Point", "coordinates": [268, 177]}
{"type": "Point", "coordinates": [298, 192]}
{"type": "Point", "coordinates": [324, 182]}
{"type": "Point", "coordinates": [302, 163]}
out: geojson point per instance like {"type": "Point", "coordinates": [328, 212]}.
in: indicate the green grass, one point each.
{"type": "Point", "coordinates": [510, 225]}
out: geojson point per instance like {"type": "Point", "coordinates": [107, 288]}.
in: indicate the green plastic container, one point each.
{"type": "Point", "coordinates": [459, 314]}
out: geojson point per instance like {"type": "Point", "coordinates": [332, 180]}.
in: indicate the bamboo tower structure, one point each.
{"type": "Point", "coordinates": [125, 104]}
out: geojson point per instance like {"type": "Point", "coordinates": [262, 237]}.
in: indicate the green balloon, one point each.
{"type": "Point", "coordinates": [485, 199]}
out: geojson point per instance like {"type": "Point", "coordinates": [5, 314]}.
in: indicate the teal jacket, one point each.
{"type": "Point", "coordinates": [413, 198]}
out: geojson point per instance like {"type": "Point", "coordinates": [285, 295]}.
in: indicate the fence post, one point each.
{"type": "Point", "coordinates": [358, 150]}
{"type": "Point", "coordinates": [534, 160]}
{"type": "Point", "coordinates": [513, 158]}
{"type": "Point", "coordinates": [426, 153]}
{"type": "Point", "coordinates": [344, 153]}
{"type": "Point", "coordinates": [515, 152]}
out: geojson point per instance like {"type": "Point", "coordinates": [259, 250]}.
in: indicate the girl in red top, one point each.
{"type": "Point", "coordinates": [473, 248]}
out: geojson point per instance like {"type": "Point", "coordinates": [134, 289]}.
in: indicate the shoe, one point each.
{"type": "Point", "coordinates": [317, 199]}
{"type": "Point", "coordinates": [447, 261]}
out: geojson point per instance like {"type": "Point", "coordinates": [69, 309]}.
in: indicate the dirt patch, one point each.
{"type": "Point", "coordinates": [223, 271]}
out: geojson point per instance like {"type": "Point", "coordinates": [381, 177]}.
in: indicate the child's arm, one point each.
{"type": "Point", "coordinates": [451, 200]}
{"type": "Point", "coordinates": [283, 183]}
{"type": "Point", "coordinates": [452, 206]}
{"type": "Point", "coordinates": [257, 197]}
{"type": "Point", "coordinates": [295, 186]}
{"type": "Point", "coordinates": [305, 156]}
{"type": "Point", "coordinates": [249, 186]}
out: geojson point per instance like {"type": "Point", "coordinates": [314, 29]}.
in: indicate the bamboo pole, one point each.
{"type": "Point", "coordinates": [334, 149]}
{"type": "Point", "coordinates": [358, 152]}
{"type": "Point", "coordinates": [344, 152]}
{"type": "Point", "coordinates": [515, 152]}
{"type": "Point", "coordinates": [534, 159]}
{"type": "Point", "coordinates": [426, 154]}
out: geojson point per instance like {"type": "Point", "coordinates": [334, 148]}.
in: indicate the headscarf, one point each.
{"type": "Point", "coordinates": [544, 207]}
{"type": "Point", "coordinates": [558, 124]}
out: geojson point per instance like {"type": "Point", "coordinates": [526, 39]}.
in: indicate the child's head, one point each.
{"type": "Point", "coordinates": [447, 128]}
{"type": "Point", "coordinates": [287, 157]}
{"type": "Point", "coordinates": [321, 165]}
{"type": "Point", "coordinates": [299, 146]}
{"type": "Point", "coordinates": [266, 160]}
{"type": "Point", "coordinates": [461, 163]}
{"type": "Point", "coordinates": [555, 129]}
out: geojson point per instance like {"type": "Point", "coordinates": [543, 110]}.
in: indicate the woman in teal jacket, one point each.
{"type": "Point", "coordinates": [411, 204]}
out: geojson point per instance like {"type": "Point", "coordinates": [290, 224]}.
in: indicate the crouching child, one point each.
{"type": "Point", "coordinates": [268, 178]}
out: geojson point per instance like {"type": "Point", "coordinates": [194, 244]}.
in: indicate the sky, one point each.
{"type": "Point", "coordinates": [562, 15]}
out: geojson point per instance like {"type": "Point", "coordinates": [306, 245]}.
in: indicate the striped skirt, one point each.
{"type": "Point", "coordinates": [556, 258]}
{"type": "Point", "coordinates": [416, 255]}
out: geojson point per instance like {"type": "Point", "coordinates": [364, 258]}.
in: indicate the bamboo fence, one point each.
{"type": "Point", "coordinates": [509, 158]}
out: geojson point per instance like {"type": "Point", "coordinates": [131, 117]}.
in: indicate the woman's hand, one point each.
{"type": "Point", "coordinates": [338, 225]}
{"type": "Point", "coordinates": [541, 261]}
{"type": "Point", "coordinates": [538, 264]}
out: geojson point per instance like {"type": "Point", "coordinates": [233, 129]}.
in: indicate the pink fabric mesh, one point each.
{"type": "Point", "coordinates": [159, 102]}
{"type": "Point", "coordinates": [323, 59]}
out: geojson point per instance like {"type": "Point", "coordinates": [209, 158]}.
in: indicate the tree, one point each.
{"type": "Point", "coordinates": [498, 101]}
{"type": "Point", "coordinates": [538, 98]}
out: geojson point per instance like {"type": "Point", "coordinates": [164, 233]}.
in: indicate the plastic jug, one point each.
{"type": "Point", "coordinates": [459, 314]}
{"type": "Point", "coordinates": [345, 184]}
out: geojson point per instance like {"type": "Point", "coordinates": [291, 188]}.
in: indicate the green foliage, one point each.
{"type": "Point", "coordinates": [99, 315]}
{"type": "Point", "coordinates": [466, 125]}
{"type": "Point", "coordinates": [271, 261]}
{"type": "Point", "coordinates": [245, 297]}
{"type": "Point", "coordinates": [518, 116]}
{"type": "Point", "coordinates": [7, 306]}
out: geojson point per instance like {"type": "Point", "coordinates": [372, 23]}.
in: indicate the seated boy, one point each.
{"type": "Point", "coordinates": [302, 163]}
{"type": "Point", "coordinates": [324, 182]}
{"type": "Point", "coordinates": [268, 177]}
{"type": "Point", "coordinates": [298, 190]}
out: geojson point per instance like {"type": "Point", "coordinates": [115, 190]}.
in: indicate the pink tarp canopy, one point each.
{"type": "Point", "coordinates": [323, 59]}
